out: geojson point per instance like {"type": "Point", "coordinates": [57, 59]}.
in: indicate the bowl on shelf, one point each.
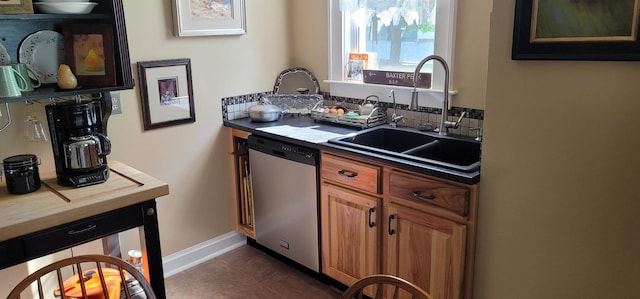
{"type": "Point", "coordinates": [65, 7]}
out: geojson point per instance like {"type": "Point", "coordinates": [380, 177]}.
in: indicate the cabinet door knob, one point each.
{"type": "Point", "coordinates": [371, 223]}
{"type": "Point", "coordinates": [418, 194]}
{"type": "Point", "coordinates": [391, 231]}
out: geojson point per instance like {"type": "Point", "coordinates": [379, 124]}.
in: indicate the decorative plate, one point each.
{"type": "Point", "coordinates": [4, 56]}
{"type": "Point", "coordinates": [43, 52]}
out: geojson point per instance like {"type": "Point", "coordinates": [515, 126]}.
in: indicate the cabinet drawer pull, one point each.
{"type": "Point", "coordinates": [82, 231]}
{"type": "Point", "coordinates": [419, 195]}
{"type": "Point", "coordinates": [391, 231]}
{"type": "Point", "coordinates": [371, 223]}
{"type": "Point", "coordinates": [347, 173]}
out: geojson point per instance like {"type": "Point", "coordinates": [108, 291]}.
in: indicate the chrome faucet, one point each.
{"type": "Point", "coordinates": [395, 118]}
{"type": "Point", "coordinates": [444, 124]}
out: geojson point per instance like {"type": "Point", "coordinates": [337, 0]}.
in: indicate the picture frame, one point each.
{"type": "Point", "coordinates": [166, 92]}
{"type": "Point", "coordinates": [354, 70]}
{"type": "Point", "coordinates": [546, 30]}
{"type": "Point", "coordinates": [16, 7]}
{"type": "Point", "coordinates": [209, 17]}
{"type": "Point", "coordinates": [89, 52]}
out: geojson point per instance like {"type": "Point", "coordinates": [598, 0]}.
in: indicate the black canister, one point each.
{"type": "Point", "coordinates": [21, 173]}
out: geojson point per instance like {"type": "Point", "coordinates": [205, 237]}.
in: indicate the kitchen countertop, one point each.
{"type": "Point", "coordinates": [305, 131]}
{"type": "Point", "coordinates": [54, 205]}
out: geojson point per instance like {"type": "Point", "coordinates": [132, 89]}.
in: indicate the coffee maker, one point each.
{"type": "Point", "coordinates": [79, 146]}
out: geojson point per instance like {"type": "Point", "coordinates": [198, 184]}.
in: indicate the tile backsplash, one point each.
{"type": "Point", "coordinates": [236, 107]}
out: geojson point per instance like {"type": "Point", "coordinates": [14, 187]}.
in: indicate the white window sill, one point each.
{"type": "Point", "coordinates": [358, 90]}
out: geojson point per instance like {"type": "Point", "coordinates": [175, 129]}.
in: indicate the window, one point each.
{"type": "Point", "coordinates": [396, 34]}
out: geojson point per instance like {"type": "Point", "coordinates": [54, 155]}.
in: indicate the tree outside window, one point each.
{"type": "Point", "coordinates": [399, 32]}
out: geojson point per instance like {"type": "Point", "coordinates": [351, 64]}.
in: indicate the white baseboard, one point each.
{"type": "Point", "coordinates": [200, 253]}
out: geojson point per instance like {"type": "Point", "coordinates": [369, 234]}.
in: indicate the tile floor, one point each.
{"type": "Point", "coordinates": [246, 272]}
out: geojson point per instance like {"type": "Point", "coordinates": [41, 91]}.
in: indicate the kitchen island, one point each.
{"type": "Point", "coordinates": [56, 217]}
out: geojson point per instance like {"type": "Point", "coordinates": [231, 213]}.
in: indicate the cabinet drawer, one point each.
{"type": "Point", "coordinates": [11, 251]}
{"type": "Point", "coordinates": [356, 175]}
{"type": "Point", "coordinates": [81, 231]}
{"type": "Point", "coordinates": [420, 189]}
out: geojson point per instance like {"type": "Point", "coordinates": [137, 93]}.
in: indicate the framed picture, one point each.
{"type": "Point", "coordinates": [576, 30]}
{"type": "Point", "coordinates": [166, 93]}
{"type": "Point", "coordinates": [209, 17]}
{"type": "Point", "coordinates": [16, 7]}
{"type": "Point", "coordinates": [354, 70]}
{"type": "Point", "coordinates": [89, 53]}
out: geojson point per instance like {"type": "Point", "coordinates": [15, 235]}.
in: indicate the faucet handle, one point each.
{"type": "Point", "coordinates": [462, 115]}
{"type": "Point", "coordinates": [455, 124]}
{"type": "Point", "coordinates": [478, 134]}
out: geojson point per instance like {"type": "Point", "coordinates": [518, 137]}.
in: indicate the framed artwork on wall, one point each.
{"type": "Point", "coordinates": [16, 7]}
{"type": "Point", "coordinates": [89, 53]}
{"type": "Point", "coordinates": [209, 17]}
{"type": "Point", "coordinates": [166, 93]}
{"type": "Point", "coordinates": [576, 30]}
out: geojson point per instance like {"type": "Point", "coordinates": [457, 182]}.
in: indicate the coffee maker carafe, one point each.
{"type": "Point", "coordinates": [79, 147]}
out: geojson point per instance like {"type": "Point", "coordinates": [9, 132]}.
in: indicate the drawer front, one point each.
{"type": "Point", "coordinates": [11, 251]}
{"type": "Point", "coordinates": [419, 189]}
{"type": "Point", "coordinates": [356, 175]}
{"type": "Point", "coordinates": [82, 231]}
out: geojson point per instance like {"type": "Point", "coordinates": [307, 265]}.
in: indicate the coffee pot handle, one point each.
{"type": "Point", "coordinates": [105, 144]}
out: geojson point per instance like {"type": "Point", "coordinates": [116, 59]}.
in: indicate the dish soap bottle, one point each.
{"type": "Point", "coordinates": [66, 78]}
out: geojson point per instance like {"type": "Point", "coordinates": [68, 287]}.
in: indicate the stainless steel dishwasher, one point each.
{"type": "Point", "coordinates": [285, 194]}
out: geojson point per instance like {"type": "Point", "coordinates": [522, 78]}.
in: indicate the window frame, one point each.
{"type": "Point", "coordinates": [338, 56]}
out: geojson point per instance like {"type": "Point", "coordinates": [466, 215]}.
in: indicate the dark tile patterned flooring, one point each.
{"type": "Point", "coordinates": [246, 272]}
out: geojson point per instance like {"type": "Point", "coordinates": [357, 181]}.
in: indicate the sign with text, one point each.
{"type": "Point", "coordinates": [396, 78]}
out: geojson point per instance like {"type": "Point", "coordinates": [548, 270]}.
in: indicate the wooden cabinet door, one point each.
{"type": "Point", "coordinates": [425, 249]}
{"type": "Point", "coordinates": [350, 234]}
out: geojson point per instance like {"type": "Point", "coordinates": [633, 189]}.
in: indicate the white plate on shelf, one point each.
{"type": "Point", "coordinates": [43, 52]}
{"type": "Point", "coordinates": [4, 56]}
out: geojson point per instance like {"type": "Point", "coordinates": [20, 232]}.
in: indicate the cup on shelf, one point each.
{"type": "Point", "coordinates": [28, 75]}
{"type": "Point", "coordinates": [12, 83]}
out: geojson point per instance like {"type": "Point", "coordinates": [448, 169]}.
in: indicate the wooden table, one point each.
{"type": "Point", "coordinates": [57, 217]}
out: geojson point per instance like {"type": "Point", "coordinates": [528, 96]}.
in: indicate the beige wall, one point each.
{"type": "Point", "coordinates": [192, 158]}
{"type": "Point", "coordinates": [560, 200]}
{"type": "Point", "coordinates": [309, 37]}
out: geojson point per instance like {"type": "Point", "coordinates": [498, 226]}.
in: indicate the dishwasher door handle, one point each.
{"type": "Point", "coordinates": [347, 173]}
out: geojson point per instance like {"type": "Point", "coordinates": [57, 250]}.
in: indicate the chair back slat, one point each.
{"type": "Point", "coordinates": [114, 276]}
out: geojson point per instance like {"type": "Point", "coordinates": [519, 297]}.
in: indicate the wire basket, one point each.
{"type": "Point", "coordinates": [349, 118]}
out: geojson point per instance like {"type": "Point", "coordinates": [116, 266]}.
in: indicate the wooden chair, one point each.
{"type": "Point", "coordinates": [377, 282]}
{"type": "Point", "coordinates": [103, 276]}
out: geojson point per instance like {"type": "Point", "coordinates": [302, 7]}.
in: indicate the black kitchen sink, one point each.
{"type": "Point", "coordinates": [385, 139]}
{"type": "Point", "coordinates": [453, 152]}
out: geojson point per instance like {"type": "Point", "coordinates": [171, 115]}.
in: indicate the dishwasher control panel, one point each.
{"type": "Point", "coordinates": [298, 150]}
{"type": "Point", "coordinates": [283, 150]}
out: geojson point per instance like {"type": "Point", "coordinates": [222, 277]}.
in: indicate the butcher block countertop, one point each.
{"type": "Point", "coordinates": [54, 205]}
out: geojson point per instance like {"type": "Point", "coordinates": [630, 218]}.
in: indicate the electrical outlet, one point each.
{"type": "Point", "coordinates": [116, 105]}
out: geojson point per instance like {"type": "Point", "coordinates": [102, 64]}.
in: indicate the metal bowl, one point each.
{"type": "Point", "coordinates": [265, 112]}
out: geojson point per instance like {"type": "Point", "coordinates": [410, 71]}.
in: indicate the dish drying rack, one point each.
{"type": "Point", "coordinates": [350, 117]}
